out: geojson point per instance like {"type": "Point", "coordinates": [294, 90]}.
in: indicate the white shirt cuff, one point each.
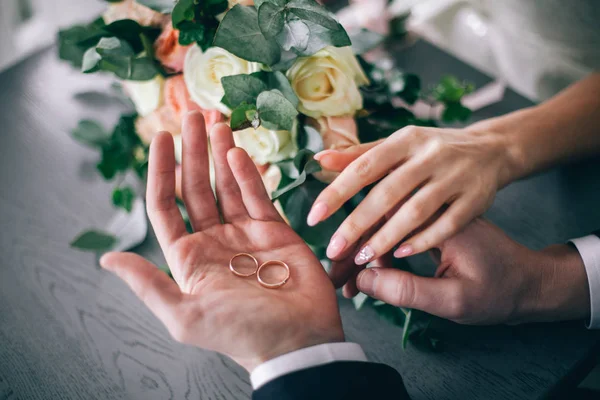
{"type": "Point", "coordinates": [589, 250]}
{"type": "Point", "coordinates": [305, 358]}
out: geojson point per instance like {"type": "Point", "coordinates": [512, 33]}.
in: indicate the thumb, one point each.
{"type": "Point", "coordinates": [338, 160]}
{"type": "Point", "coordinates": [437, 296]}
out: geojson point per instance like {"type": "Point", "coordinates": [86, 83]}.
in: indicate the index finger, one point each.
{"type": "Point", "coordinates": [363, 171]}
{"type": "Point", "coordinates": [162, 209]}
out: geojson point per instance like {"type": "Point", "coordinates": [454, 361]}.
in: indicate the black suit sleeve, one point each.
{"type": "Point", "coordinates": [346, 380]}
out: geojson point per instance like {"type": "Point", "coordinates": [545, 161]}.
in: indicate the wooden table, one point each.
{"type": "Point", "coordinates": [71, 331]}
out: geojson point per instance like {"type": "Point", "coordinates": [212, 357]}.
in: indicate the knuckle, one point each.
{"type": "Point", "coordinates": [404, 291]}
{"type": "Point", "coordinates": [410, 132]}
{"type": "Point", "coordinates": [362, 167]}
{"type": "Point", "coordinates": [352, 227]}
{"type": "Point", "coordinates": [416, 212]}
{"type": "Point", "coordinates": [388, 196]}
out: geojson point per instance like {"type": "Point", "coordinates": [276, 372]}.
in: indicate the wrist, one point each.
{"type": "Point", "coordinates": [289, 345]}
{"type": "Point", "coordinates": [556, 288]}
{"type": "Point", "coordinates": [519, 158]}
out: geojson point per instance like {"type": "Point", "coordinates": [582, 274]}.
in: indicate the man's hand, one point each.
{"type": "Point", "coordinates": [484, 277]}
{"type": "Point", "coordinates": [208, 306]}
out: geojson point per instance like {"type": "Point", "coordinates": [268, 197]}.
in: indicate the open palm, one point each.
{"type": "Point", "coordinates": [208, 306]}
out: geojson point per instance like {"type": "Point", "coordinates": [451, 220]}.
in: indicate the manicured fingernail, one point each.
{"type": "Point", "coordinates": [404, 251]}
{"type": "Point", "coordinates": [336, 246]}
{"type": "Point", "coordinates": [364, 256]}
{"type": "Point", "coordinates": [323, 153]}
{"type": "Point", "coordinates": [316, 214]}
{"type": "Point", "coordinates": [366, 281]}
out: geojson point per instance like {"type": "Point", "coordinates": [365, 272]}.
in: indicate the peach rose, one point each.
{"type": "Point", "coordinates": [338, 133]}
{"type": "Point", "coordinates": [233, 3]}
{"type": "Point", "coordinates": [168, 51]}
{"type": "Point", "coordinates": [169, 116]}
{"type": "Point", "coordinates": [130, 9]}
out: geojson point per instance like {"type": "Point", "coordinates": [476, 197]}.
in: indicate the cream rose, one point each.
{"type": "Point", "coordinates": [203, 72]}
{"type": "Point", "coordinates": [327, 82]}
{"type": "Point", "coordinates": [147, 96]}
{"type": "Point", "coordinates": [267, 146]}
{"type": "Point", "coordinates": [130, 9]}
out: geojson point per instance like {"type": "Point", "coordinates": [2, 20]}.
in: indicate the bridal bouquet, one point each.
{"type": "Point", "coordinates": [285, 74]}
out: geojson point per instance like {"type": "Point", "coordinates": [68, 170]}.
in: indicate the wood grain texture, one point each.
{"type": "Point", "coordinates": [71, 331]}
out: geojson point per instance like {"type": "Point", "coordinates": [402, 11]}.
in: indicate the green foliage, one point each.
{"type": "Point", "coordinates": [123, 198]}
{"type": "Point", "coordinates": [73, 43]}
{"type": "Point", "coordinates": [196, 21]}
{"type": "Point", "coordinates": [94, 241]}
{"type": "Point", "coordinates": [450, 91]}
{"type": "Point", "coordinates": [120, 151]}
{"type": "Point", "coordinates": [273, 27]}
{"type": "Point", "coordinates": [364, 40]}
{"type": "Point", "coordinates": [163, 6]}
{"type": "Point", "coordinates": [90, 133]}
{"type": "Point", "coordinates": [261, 98]}
{"type": "Point", "coordinates": [117, 56]}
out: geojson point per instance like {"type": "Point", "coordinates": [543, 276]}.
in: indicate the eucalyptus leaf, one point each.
{"type": "Point", "coordinates": [94, 240]}
{"type": "Point", "coordinates": [311, 11]}
{"type": "Point", "coordinates": [163, 6]}
{"type": "Point", "coordinates": [406, 328]}
{"type": "Point", "coordinates": [321, 37]}
{"type": "Point", "coordinates": [90, 133]}
{"type": "Point", "coordinates": [242, 89]}
{"type": "Point", "coordinates": [240, 34]}
{"type": "Point", "coordinates": [276, 112]}
{"type": "Point", "coordinates": [241, 118]}
{"type": "Point", "coordinates": [271, 19]}
{"type": "Point", "coordinates": [294, 36]}
{"type": "Point", "coordinates": [278, 81]}
{"type": "Point", "coordinates": [364, 40]}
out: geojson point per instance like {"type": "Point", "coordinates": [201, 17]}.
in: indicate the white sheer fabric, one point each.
{"type": "Point", "coordinates": [537, 46]}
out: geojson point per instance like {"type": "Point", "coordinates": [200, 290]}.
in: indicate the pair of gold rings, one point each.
{"type": "Point", "coordinates": [260, 268]}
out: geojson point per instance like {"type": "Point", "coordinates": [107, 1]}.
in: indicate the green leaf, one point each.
{"type": "Point", "coordinates": [242, 89]}
{"type": "Point", "coordinates": [359, 300]}
{"type": "Point", "coordinates": [271, 19]}
{"type": "Point", "coordinates": [455, 112]}
{"type": "Point", "coordinates": [298, 170]}
{"type": "Point", "coordinates": [310, 139]}
{"type": "Point", "coordinates": [190, 32]}
{"type": "Point", "coordinates": [310, 10]}
{"type": "Point", "coordinates": [90, 133]}
{"type": "Point", "coordinates": [117, 56]}
{"type": "Point", "coordinates": [365, 40]}
{"type": "Point", "coordinates": [276, 112]}
{"type": "Point", "coordinates": [321, 37]}
{"type": "Point", "coordinates": [240, 34]}
{"type": "Point", "coordinates": [451, 90]}
{"type": "Point", "coordinates": [241, 118]}
{"type": "Point", "coordinates": [74, 42]}
{"type": "Point", "coordinates": [163, 6]}
{"type": "Point", "coordinates": [294, 36]}
{"type": "Point", "coordinates": [94, 240]}
{"type": "Point", "coordinates": [278, 81]}
{"type": "Point", "coordinates": [406, 328]}
{"type": "Point", "coordinates": [183, 11]}
{"type": "Point", "coordinates": [118, 154]}
{"type": "Point", "coordinates": [123, 198]}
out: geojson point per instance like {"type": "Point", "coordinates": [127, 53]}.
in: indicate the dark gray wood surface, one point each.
{"type": "Point", "coordinates": [71, 331]}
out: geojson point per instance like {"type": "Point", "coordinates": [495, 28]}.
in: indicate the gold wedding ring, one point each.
{"type": "Point", "coordinates": [273, 285]}
{"type": "Point", "coordinates": [232, 268]}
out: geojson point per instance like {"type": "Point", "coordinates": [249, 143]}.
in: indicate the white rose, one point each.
{"type": "Point", "coordinates": [267, 146]}
{"type": "Point", "coordinates": [327, 82]}
{"type": "Point", "coordinates": [203, 71]}
{"type": "Point", "coordinates": [147, 96]}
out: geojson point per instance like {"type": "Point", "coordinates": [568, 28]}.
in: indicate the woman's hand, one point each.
{"type": "Point", "coordinates": [422, 171]}
{"type": "Point", "coordinates": [208, 306]}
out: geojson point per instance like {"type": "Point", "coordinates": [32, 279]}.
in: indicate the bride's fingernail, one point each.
{"type": "Point", "coordinates": [364, 256]}
{"type": "Point", "coordinates": [323, 153]}
{"type": "Point", "coordinates": [404, 251]}
{"type": "Point", "coordinates": [316, 214]}
{"type": "Point", "coordinates": [336, 246]}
